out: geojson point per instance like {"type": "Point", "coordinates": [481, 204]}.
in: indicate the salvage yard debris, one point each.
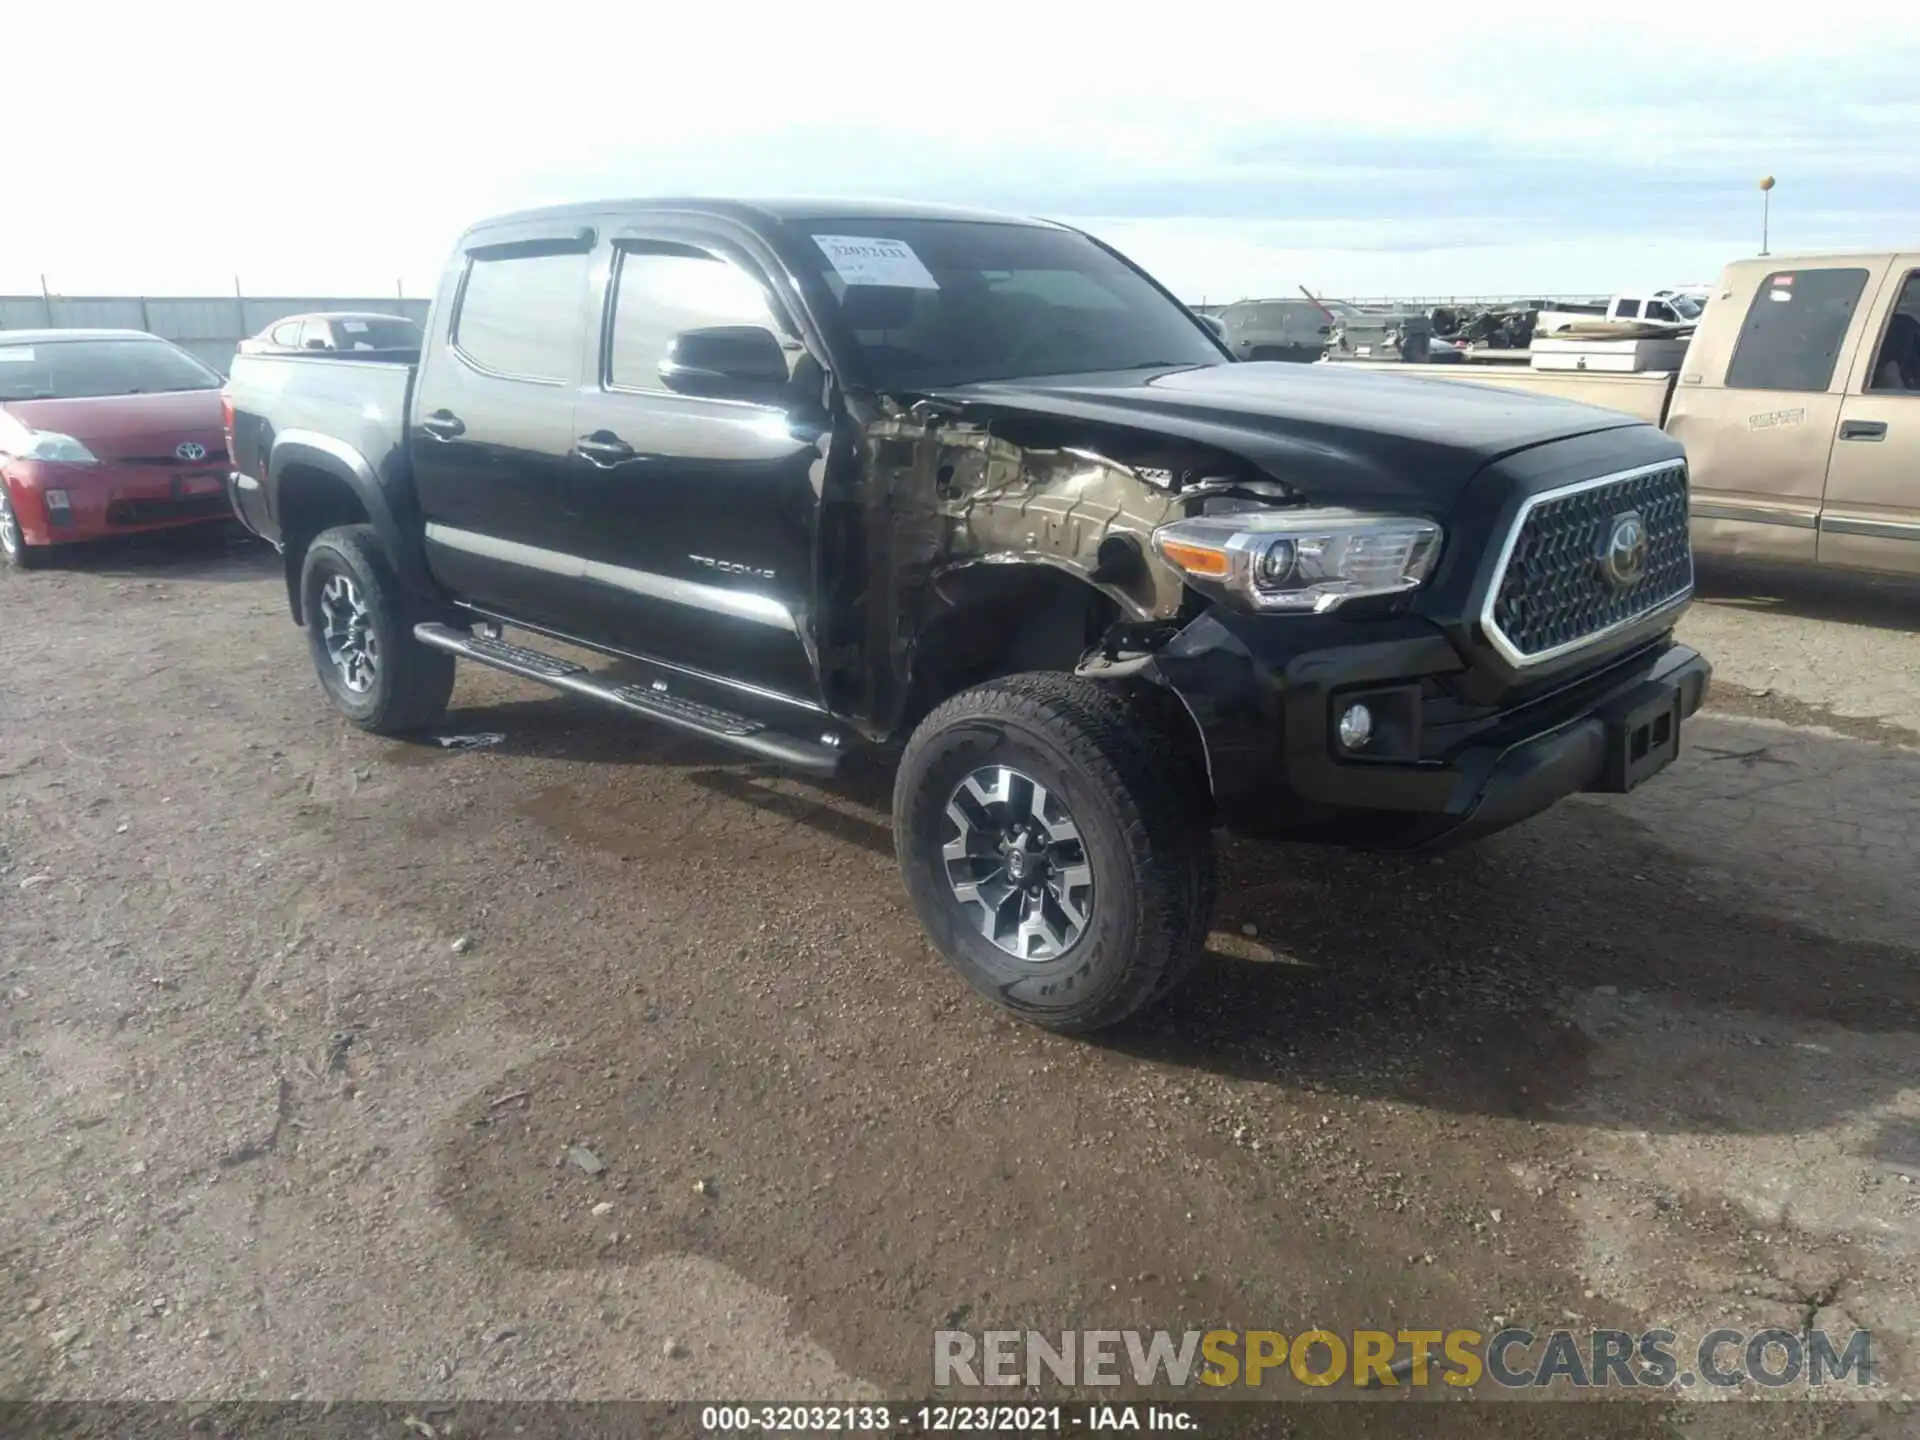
{"type": "Point", "coordinates": [482, 741]}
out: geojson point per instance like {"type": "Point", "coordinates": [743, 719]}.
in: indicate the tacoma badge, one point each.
{"type": "Point", "coordinates": [731, 567]}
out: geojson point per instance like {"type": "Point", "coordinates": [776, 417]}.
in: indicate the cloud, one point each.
{"type": "Point", "coordinates": [343, 151]}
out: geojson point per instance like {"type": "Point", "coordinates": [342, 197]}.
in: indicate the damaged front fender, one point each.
{"type": "Point", "coordinates": [956, 490]}
{"type": "Point", "coordinates": [1002, 502]}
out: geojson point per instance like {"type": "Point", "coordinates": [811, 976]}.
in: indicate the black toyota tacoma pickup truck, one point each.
{"type": "Point", "coordinates": [977, 493]}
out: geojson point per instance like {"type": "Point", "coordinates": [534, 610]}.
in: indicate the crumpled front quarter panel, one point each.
{"type": "Point", "coordinates": [1007, 503]}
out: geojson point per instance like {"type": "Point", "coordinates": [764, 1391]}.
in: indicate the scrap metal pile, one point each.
{"type": "Point", "coordinates": [1496, 328]}
{"type": "Point", "coordinates": [1313, 328]}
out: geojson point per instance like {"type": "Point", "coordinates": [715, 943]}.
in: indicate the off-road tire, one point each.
{"type": "Point", "coordinates": [20, 555]}
{"type": "Point", "coordinates": [411, 682]}
{"type": "Point", "coordinates": [1130, 777]}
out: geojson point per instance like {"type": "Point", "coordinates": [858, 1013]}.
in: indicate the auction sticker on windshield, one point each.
{"type": "Point", "coordinates": [869, 260]}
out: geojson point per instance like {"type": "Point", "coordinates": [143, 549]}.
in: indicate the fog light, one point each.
{"type": "Point", "coordinates": [1356, 727]}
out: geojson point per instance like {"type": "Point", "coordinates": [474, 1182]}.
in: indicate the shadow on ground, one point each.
{"type": "Point", "coordinates": [1448, 958]}
{"type": "Point", "coordinates": [1880, 602]}
{"type": "Point", "coordinates": [1447, 984]}
{"type": "Point", "coordinates": [222, 553]}
{"type": "Point", "coordinates": [551, 726]}
{"type": "Point", "coordinates": [853, 805]}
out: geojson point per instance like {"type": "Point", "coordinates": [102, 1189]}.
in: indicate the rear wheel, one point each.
{"type": "Point", "coordinates": [14, 549]}
{"type": "Point", "coordinates": [1056, 847]}
{"type": "Point", "coordinates": [360, 632]}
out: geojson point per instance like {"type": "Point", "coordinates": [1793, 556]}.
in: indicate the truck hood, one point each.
{"type": "Point", "coordinates": [1335, 433]}
{"type": "Point", "coordinates": [118, 427]}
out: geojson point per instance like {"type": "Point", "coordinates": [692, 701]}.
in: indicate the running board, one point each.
{"type": "Point", "coordinates": [654, 702]}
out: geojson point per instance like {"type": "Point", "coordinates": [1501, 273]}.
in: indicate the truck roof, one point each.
{"type": "Point", "coordinates": [1767, 264]}
{"type": "Point", "coordinates": [768, 211]}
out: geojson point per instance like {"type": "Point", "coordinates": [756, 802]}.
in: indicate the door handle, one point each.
{"type": "Point", "coordinates": [603, 447]}
{"type": "Point", "coordinates": [1863, 429]}
{"type": "Point", "coordinates": [444, 425]}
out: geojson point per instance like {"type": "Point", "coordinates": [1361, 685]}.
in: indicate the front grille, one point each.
{"type": "Point", "coordinates": [158, 512]}
{"type": "Point", "coordinates": [1554, 594]}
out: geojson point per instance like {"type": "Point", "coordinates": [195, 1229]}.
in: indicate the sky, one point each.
{"type": "Point", "coordinates": [1234, 150]}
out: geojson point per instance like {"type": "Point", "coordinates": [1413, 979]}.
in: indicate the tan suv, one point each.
{"type": "Point", "coordinates": [1799, 406]}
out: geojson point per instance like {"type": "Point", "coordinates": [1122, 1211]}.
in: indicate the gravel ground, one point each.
{"type": "Point", "coordinates": [307, 1033]}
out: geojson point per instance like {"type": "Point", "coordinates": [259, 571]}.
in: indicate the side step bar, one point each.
{"type": "Point", "coordinates": [721, 726]}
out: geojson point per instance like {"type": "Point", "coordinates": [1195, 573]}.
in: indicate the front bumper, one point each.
{"type": "Point", "coordinates": [1444, 769]}
{"type": "Point", "coordinates": [114, 499]}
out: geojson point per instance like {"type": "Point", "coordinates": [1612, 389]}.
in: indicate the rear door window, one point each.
{"type": "Point", "coordinates": [316, 335]}
{"type": "Point", "coordinates": [1794, 328]}
{"type": "Point", "coordinates": [521, 314]}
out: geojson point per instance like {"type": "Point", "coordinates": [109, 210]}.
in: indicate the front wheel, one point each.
{"type": "Point", "coordinates": [1054, 839]}
{"type": "Point", "coordinates": [360, 632]}
{"type": "Point", "coordinates": [14, 549]}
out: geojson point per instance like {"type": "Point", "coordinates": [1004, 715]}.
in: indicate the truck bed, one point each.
{"type": "Point", "coordinates": [283, 403]}
{"type": "Point", "coordinates": [1642, 394]}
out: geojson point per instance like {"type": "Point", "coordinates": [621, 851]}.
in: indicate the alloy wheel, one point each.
{"type": "Point", "coordinates": [347, 628]}
{"type": "Point", "coordinates": [1017, 863]}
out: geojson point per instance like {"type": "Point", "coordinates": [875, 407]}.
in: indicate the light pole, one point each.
{"type": "Point", "coordinates": [1766, 199]}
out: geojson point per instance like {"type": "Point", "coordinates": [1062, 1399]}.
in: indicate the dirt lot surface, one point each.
{"type": "Point", "coordinates": [303, 1026]}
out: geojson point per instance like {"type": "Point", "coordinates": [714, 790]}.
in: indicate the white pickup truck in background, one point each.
{"type": "Point", "coordinates": [1797, 398]}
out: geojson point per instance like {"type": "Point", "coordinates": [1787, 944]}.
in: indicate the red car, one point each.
{"type": "Point", "coordinates": [104, 432]}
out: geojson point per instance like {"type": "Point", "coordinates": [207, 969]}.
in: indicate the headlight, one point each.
{"type": "Point", "coordinates": [1300, 560]}
{"type": "Point", "coordinates": [49, 445]}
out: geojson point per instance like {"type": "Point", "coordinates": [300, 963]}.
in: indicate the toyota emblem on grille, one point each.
{"type": "Point", "coordinates": [1623, 554]}
{"type": "Point", "coordinates": [189, 450]}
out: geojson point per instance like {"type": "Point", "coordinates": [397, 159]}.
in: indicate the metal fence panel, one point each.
{"type": "Point", "coordinates": [88, 312]}
{"type": "Point", "coordinates": [185, 320]}
{"type": "Point", "coordinates": [23, 312]}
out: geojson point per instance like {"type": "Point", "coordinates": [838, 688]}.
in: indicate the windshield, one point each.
{"type": "Point", "coordinates": [1686, 306]}
{"type": "Point", "coordinates": [943, 302]}
{"type": "Point", "coordinates": [76, 369]}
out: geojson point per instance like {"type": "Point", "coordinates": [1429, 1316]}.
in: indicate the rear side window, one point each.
{"type": "Point", "coordinates": [520, 314]}
{"type": "Point", "coordinates": [378, 333]}
{"type": "Point", "coordinates": [1791, 337]}
{"type": "Point", "coordinates": [1627, 310]}
{"type": "Point", "coordinates": [286, 333]}
{"type": "Point", "coordinates": [662, 290]}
